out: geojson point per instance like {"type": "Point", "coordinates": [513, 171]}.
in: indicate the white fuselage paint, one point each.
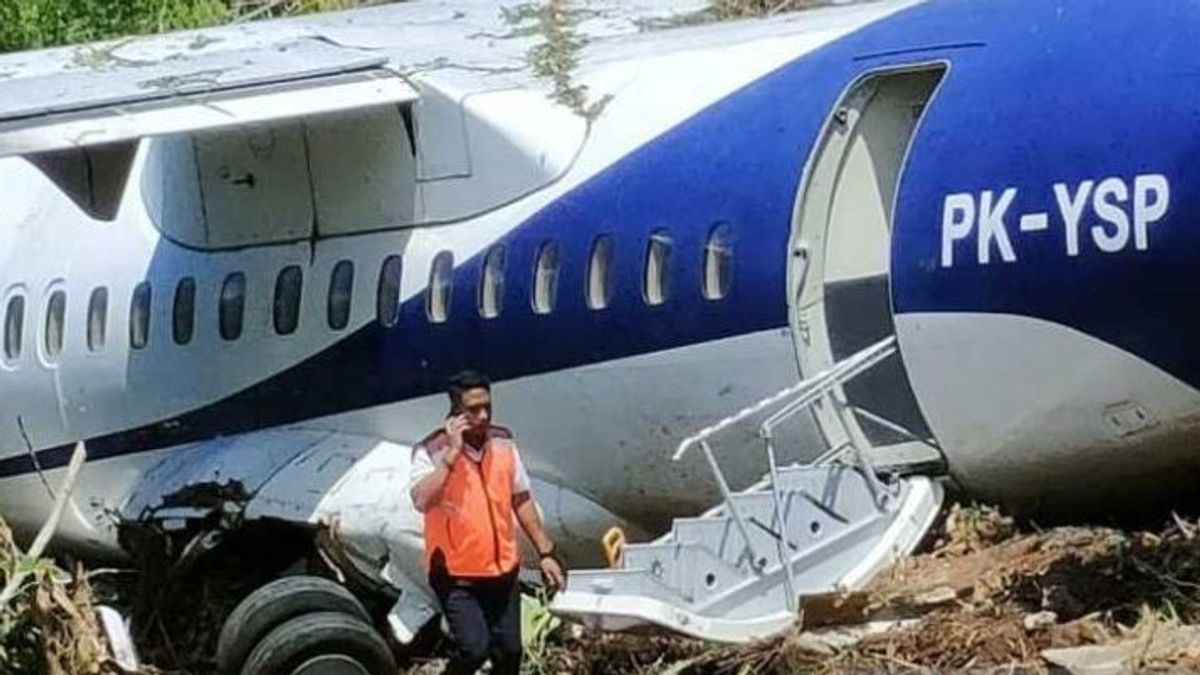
{"type": "Point", "coordinates": [597, 437]}
{"type": "Point", "coordinates": [604, 431]}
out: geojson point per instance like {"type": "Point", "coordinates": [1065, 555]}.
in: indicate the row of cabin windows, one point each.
{"type": "Point", "coordinates": [718, 255]}
{"type": "Point", "coordinates": [231, 311]}
{"type": "Point", "coordinates": [290, 282]}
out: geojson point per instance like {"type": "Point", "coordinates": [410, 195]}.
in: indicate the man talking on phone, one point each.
{"type": "Point", "coordinates": [468, 480]}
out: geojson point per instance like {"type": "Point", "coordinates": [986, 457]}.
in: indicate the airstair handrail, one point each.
{"type": "Point", "coordinates": [793, 399]}
{"type": "Point", "coordinates": [818, 383]}
{"type": "Point", "coordinates": [853, 367]}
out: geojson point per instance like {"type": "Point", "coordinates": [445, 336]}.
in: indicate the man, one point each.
{"type": "Point", "coordinates": [468, 480]}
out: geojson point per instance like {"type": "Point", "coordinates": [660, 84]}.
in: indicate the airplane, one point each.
{"type": "Point", "coordinates": [900, 245]}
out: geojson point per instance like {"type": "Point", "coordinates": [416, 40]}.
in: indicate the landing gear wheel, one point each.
{"type": "Point", "coordinates": [274, 604]}
{"type": "Point", "coordinates": [325, 643]}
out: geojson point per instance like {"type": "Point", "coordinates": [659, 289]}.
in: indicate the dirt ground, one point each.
{"type": "Point", "coordinates": [987, 596]}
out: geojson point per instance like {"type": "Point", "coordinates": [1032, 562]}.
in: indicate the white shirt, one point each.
{"type": "Point", "coordinates": [425, 463]}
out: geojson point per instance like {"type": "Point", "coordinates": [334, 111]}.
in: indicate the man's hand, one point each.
{"type": "Point", "coordinates": [429, 489]}
{"type": "Point", "coordinates": [553, 575]}
{"type": "Point", "coordinates": [455, 426]}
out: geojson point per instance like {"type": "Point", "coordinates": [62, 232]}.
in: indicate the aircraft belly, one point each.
{"type": "Point", "coordinates": [1041, 415]}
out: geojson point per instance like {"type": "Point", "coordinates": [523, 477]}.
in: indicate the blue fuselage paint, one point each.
{"type": "Point", "coordinates": [1075, 94]}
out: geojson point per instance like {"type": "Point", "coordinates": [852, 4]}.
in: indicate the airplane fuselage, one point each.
{"type": "Point", "coordinates": [1012, 203]}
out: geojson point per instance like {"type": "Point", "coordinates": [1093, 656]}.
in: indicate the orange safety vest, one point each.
{"type": "Point", "coordinates": [472, 525]}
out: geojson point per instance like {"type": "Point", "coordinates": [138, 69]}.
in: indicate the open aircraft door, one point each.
{"type": "Point", "coordinates": [838, 272]}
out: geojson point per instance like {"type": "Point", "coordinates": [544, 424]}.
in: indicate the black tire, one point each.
{"type": "Point", "coordinates": [324, 634]}
{"type": "Point", "coordinates": [272, 605]}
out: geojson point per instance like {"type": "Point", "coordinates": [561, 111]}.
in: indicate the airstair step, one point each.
{"type": "Point", "coordinates": [623, 582]}
{"type": "Point", "coordinates": [722, 577]}
{"type": "Point", "coordinates": [907, 458]}
{"type": "Point", "coordinates": [810, 514]}
{"type": "Point", "coordinates": [614, 612]}
{"type": "Point", "coordinates": [838, 489]}
{"type": "Point", "coordinates": [691, 570]}
{"type": "Point", "coordinates": [722, 536]}
{"type": "Point", "coordinates": [696, 580]}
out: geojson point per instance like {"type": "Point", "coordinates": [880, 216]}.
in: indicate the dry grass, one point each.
{"type": "Point", "coordinates": [51, 625]}
{"type": "Point", "coordinates": [744, 9]}
{"type": "Point", "coordinates": [988, 596]}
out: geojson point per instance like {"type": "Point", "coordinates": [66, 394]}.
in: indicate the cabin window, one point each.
{"type": "Point", "coordinates": [139, 316]}
{"type": "Point", "coordinates": [56, 311]}
{"type": "Point", "coordinates": [718, 261]}
{"type": "Point", "coordinates": [656, 285]}
{"type": "Point", "coordinates": [491, 283]}
{"type": "Point", "coordinates": [441, 285]}
{"type": "Point", "coordinates": [341, 294]}
{"type": "Point", "coordinates": [232, 309]}
{"type": "Point", "coordinates": [97, 319]}
{"type": "Point", "coordinates": [183, 315]}
{"type": "Point", "coordinates": [388, 299]}
{"type": "Point", "coordinates": [14, 325]}
{"type": "Point", "coordinates": [545, 278]}
{"type": "Point", "coordinates": [289, 288]}
{"type": "Point", "coordinates": [599, 273]}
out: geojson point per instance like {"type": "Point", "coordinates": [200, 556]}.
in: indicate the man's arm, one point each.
{"type": "Point", "coordinates": [531, 523]}
{"type": "Point", "coordinates": [428, 490]}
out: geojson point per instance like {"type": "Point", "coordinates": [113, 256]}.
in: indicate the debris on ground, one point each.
{"type": "Point", "coordinates": [989, 594]}
{"type": "Point", "coordinates": [50, 626]}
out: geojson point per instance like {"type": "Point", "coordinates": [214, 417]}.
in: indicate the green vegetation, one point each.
{"type": "Point", "coordinates": [29, 24]}
{"type": "Point", "coordinates": [32, 24]}
{"type": "Point", "coordinates": [48, 624]}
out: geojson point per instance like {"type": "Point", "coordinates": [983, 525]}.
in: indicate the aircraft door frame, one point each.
{"type": "Point", "coordinates": [839, 250]}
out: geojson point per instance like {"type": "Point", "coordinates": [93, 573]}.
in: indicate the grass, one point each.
{"type": "Point", "coordinates": [50, 626]}
{"type": "Point", "coordinates": [34, 24]}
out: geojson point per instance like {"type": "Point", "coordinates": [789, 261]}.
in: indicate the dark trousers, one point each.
{"type": "Point", "coordinates": [485, 622]}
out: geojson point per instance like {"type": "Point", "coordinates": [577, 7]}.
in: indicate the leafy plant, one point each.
{"type": "Point", "coordinates": [537, 627]}
{"type": "Point", "coordinates": [32, 24]}
{"type": "Point", "coordinates": [49, 625]}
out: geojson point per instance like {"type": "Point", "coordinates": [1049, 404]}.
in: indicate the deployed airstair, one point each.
{"type": "Point", "coordinates": [738, 572]}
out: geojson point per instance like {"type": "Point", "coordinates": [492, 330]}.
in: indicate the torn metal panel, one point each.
{"type": "Point", "coordinates": [248, 460]}
{"type": "Point", "coordinates": [337, 475]}
{"type": "Point", "coordinates": [355, 490]}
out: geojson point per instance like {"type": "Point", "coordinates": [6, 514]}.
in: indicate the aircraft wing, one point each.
{"type": "Point", "coordinates": [224, 88]}
{"type": "Point", "coordinates": [72, 97]}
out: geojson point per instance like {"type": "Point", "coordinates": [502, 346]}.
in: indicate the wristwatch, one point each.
{"type": "Point", "coordinates": [549, 554]}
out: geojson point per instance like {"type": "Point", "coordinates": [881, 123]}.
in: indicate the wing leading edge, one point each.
{"type": "Point", "coordinates": [235, 89]}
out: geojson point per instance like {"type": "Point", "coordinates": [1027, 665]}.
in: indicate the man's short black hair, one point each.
{"type": "Point", "coordinates": [465, 381]}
